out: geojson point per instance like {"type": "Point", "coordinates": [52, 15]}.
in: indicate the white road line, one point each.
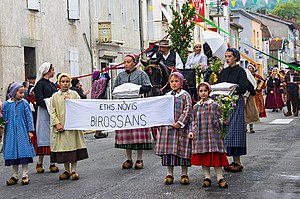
{"type": "Point", "coordinates": [281, 121]}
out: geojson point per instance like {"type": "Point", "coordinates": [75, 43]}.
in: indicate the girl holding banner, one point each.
{"type": "Point", "coordinates": [133, 139]}
{"type": "Point", "coordinates": [67, 146]}
{"type": "Point", "coordinates": [173, 143]}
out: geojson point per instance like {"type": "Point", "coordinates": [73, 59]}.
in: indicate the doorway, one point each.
{"type": "Point", "coordinates": [29, 62]}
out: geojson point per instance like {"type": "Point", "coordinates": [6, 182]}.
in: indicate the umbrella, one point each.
{"type": "Point", "coordinates": [216, 42]}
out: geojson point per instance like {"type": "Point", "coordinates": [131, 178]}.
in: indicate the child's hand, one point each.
{"type": "Point", "coordinates": [30, 135]}
{"type": "Point", "coordinates": [176, 125]}
{"type": "Point", "coordinates": [67, 97]}
{"type": "Point", "coordinates": [60, 128]}
{"type": "Point", "coordinates": [191, 135]}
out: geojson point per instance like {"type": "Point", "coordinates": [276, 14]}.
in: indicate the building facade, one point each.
{"type": "Point", "coordinates": [37, 31]}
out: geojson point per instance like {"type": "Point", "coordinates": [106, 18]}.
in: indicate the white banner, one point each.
{"type": "Point", "coordinates": [97, 114]}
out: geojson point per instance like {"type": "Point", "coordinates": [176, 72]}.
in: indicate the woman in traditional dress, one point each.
{"type": "Point", "coordinates": [274, 99]}
{"type": "Point", "coordinates": [43, 89]}
{"type": "Point", "coordinates": [251, 112]}
{"type": "Point", "coordinates": [235, 139]}
{"type": "Point", "coordinates": [196, 57]}
{"type": "Point", "coordinates": [67, 146]}
{"type": "Point", "coordinates": [258, 98]}
{"type": "Point", "coordinates": [133, 139]}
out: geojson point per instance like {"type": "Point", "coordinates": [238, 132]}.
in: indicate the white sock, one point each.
{"type": "Point", "coordinates": [206, 171]}
{"type": "Point", "coordinates": [15, 171]}
{"type": "Point", "coordinates": [41, 159]}
{"type": "Point", "coordinates": [129, 154]}
{"type": "Point", "coordinates": [73, 167]}
{"type": "Point", "coordinates": [219, 173]}
{"type": "Point", "coordinates": [184, 170]}
{"type": "Point", "coordinates": [139, 155]}
{"type": "Point", "coordinates": [170, 170]}
{"type": "Point", "coordinates": [67, 167]}
{"type": "Point", "coordinates": [25, 170]}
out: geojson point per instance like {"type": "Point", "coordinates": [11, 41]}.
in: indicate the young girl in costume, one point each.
{"type": "Point", "coordinates": [208, 147]}
{"type": "Point", "coordinates": [133, 139]}
{"type": "Point", "coordinates": [173, 143]}
{"type": "Point", "coordinates": [67, 146]}
{"type": "Point", "coordinates": [17, 146]}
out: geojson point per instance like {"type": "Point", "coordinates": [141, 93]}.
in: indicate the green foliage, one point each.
{"type": "Point", "coordinates": [214, 65]}
{"type": "Point", "coordinates": [288, 10]}
{"type": "Point", "coordinates": [181, 30]}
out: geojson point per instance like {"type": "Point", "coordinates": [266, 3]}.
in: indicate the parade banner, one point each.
{"type": "Point", "coordinates": [199, 7]}
{"type": "Point", "coordinates": [97, 114]}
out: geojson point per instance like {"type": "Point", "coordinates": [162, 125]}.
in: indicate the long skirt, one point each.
{"type": "Point", "coordinates": [41, 140]}
{"type": "Point", "coordinates": [260, 104]}
{"type": "Point", "coordinates": [214, 159]}
{"type": "Point", "coordinates": [235, 138]}
{"type": "Point", "coordinates": [69, 156]}
{"type": "Point", "coordinates": [274, 100]}
{"type": "Point", "coordinates": [134, 139]}
{"type": "Point", "coordinates": [251, 113]}
{"type": "Point", "coordinates": [173, 160]}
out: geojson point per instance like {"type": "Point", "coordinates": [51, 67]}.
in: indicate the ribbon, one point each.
{"type": "Point", "coordinates": [290, 65]}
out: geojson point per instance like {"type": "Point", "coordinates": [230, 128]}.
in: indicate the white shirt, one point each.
{"type": "Point", "coordinates": [179, 64]}
{"type": "Point", "coordinates": [194, 59]}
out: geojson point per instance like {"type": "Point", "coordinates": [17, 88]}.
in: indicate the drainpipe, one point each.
{"type": "Point", "coordinates": [141, 26]}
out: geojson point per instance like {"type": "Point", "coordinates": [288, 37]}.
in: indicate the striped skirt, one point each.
{"type": "Point", "coordinates": [173, 160]}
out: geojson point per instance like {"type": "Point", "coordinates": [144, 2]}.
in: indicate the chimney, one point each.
{"type": "Point", "coordinates": [294, 19]}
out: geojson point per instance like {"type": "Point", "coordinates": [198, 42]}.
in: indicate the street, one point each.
{"type": "Point", "coordinates": [271, 170]}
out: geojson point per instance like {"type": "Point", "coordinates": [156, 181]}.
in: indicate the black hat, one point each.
{"type": "Point", "coordinates": [74, 82]}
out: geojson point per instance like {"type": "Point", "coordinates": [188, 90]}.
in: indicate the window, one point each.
{"type": "Point", "coordinates": [33, 5]}
{"type": "Point", "coordinates": [123, 12]}
{"type": "Point", "coordinates": [135, 14]}
{"type": "Point", "coordinates": [74, 63]}
{"type": "Point", "coordinates": [73, 9]}
{"type": "Point", "coordinates": [111, 12]}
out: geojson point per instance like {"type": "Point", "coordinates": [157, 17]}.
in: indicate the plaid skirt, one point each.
{"type": "Point", "coordinates": [133, 136]}
{"type": "Point", "coordinates": [236, 128]}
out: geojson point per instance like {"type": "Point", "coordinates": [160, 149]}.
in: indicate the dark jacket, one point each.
{"type": "Point", "coordinates": [79, 91]}
{"type": "Point", "coordinates": [235, 75]}
{"type": "Point", "coordinates": [43, 89]}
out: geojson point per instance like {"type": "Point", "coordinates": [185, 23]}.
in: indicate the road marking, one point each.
{"type": "Point", "coordinates": [281, 121]}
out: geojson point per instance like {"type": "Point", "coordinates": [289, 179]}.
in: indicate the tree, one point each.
{"type": "Point", "coordinates": [288, 10]}
{"type": "Point", "coordinates": [181, 30]}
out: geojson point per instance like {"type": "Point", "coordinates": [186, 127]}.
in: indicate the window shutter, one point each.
{"type": "Point", "coordinates": [74, 63]}
{"type": "Point", "coordinates": [97, 9]}
{"type": "Point", "coordinates": [33, 5]}
{"type": "Point", "coordinates": [73, 9]}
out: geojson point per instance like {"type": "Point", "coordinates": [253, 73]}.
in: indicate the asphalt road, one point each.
{"type": "Point", "coordinates": [271, 170]}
